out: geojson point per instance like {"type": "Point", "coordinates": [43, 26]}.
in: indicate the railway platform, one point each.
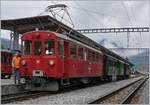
{"type": "Point", "coordinates": [8, 87]}
{"type": "Point", "coordinates": [7, 82]}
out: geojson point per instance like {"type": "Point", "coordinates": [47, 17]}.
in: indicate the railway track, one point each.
{"type": "Point", "coordinates": [23, 96]}
{"type": "Point", "coordinates": [122, 95]}
{"type": "Point", "coordinates": [32, 95]}
{"type": "Point", "coordinates": [28, 95]}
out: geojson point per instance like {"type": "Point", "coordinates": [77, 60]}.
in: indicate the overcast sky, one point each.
{"type": "Point", "coordinates": [92, 14]}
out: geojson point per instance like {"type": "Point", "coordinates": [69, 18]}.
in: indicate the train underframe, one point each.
{"type": "Point", "coordinates": [51, 84]}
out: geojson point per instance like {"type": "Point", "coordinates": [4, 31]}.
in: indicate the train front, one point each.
{"type": "Point", "coordinates": [39, 61]}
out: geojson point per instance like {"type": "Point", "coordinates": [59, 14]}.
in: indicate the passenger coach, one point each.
{"type": "Point", "coordinates": [6, 59]}
{"type": "Point", "coordinates": [52, 60]}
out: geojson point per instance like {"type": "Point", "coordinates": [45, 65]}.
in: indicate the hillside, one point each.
{"type": "Point", "coordinates": [141, 60]}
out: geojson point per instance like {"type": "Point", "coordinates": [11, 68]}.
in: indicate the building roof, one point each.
{"type": "Point", "coordinates": [23, 25]}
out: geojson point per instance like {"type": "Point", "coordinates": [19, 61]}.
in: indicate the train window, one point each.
{"type": "Point", "coordinates": [49, 47]}
{"type": "Point", "coordinates": [37, 48]}
{"type": "Point", "coordinates": [2, 57]}
{"type": "Point", "coordinates": [85, 55]}
{"type": "Point", "coordinates": [27, 47]}
{"type": "Point", "coordinates": [60, 47]}
{"type": "Point", "coordinates": [80, 53]}
{"type": "Point", "coordinates": [5, 58]}
{"type": "Point", "coordinates": [89, 55]}
{"type": "Point", "coordinates": [9, 60]}
{"type": "Point", "coordinates": [72, 51]}
{"type": "Point", "coordinates": [97, 57]}
{"type": "Point", "coordinates": [93, 56]}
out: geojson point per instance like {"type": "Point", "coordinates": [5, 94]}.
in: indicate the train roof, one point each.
{"type": "Point", "coordinates": [46, 22]}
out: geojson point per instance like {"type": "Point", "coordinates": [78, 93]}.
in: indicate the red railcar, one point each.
{"type": "Point", "coordinates": [6, 58]}
{"type": "Point", "coordinates": [51, 60]}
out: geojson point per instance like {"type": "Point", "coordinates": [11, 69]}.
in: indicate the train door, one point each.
{"type": "Point", "coordinates": [60, 57]}
{"type": "Point", "coordinates": [114, 71]}
{"type": "Point", "coordinates": [65, 78]}
{"type": "Point", "coordinates": [37, 55]}
{"type": "Point", "coordinates": [89, 56]}
{"type": "Point", "coordinates": [66, 62]}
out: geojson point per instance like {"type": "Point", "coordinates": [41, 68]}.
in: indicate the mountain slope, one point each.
{"type": "Point", "coordinates": [141, 60]}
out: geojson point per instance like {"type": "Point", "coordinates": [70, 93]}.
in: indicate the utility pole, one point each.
{"type": "Point", "coordinates": [128, 33]}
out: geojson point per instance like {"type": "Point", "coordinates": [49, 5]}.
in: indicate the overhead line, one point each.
{"type": "Point", "coordinates": [87, 12]}
{"type": "Point", "coordinates": [126, 12]}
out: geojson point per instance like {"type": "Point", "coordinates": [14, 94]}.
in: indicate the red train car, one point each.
{"type": "Point", "coordinates": [51, 60]}
{"type": "Point", "coordinates": [6, 58]}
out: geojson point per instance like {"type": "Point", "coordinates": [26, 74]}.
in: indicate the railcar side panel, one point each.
{"type": "Point", "coordinates": [6, 59]}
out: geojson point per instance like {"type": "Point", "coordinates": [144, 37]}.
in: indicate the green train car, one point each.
{"type": "Point", "coordinates": [115, 69]}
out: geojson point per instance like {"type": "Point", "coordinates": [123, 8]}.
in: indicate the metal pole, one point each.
{"type": "Point", "coordinates": [128, 39]}
{"type": "Point", "coordinates": [11, 38]}
{"type": "Point", "coordinates": [16, 40]}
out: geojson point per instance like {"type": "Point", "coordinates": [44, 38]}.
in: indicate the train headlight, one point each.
{"type": "Point", "coordinates": [51, 62]}
{"type": "Point", "coordinates": [23, 62]}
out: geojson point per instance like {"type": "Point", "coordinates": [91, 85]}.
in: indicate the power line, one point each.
{"type": "Point", "coordinates": [98, 13]}
{"type": "Point", "coordinates": [126, 12]}
{"type": "Point", "coordinates": [82, 8]}
{"type": "Point", "coordinates": [79, 21]}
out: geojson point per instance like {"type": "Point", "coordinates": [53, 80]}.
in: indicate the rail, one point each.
{"type": "Point", "coordinates": [125, 100]}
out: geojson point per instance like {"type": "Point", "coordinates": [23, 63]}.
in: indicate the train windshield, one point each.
{"type": "Point", "coordinates": [37, 48]}
{"type": "Point", "coordinates": [27, 47]}
{"type": "Point", "coordinates": [49, 47]}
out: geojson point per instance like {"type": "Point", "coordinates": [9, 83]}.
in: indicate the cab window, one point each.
{"type": "Point", "coordinates": [37, 48]}
{"type": "Point", "coordinates": [49, 47]}
{"type": "Point", "coordinates": [27, 47]}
